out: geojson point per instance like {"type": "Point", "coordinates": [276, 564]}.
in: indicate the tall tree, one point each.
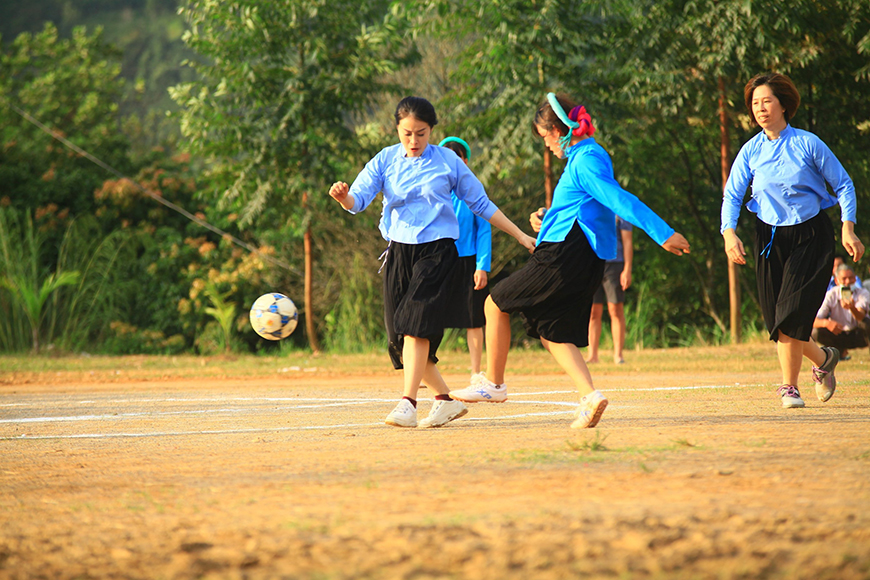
{"type": "Point", "coordinates": [684, 63]}
{"type": "Point", "coordinates": [72, 85]}
{"type": "Point", "coordinates": [278, 85]}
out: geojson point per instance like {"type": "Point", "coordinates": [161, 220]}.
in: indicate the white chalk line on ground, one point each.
{"type": "Point", "coordinates": [330, 402]}
{"type": "Point", "coordinates": [365, 399]}
{"type": "Point", "coordinates": [122, 416]}
{"type": "Point", "coordinates": [254, 430]}
{"type": "Point", "coordinates": [327, 403]}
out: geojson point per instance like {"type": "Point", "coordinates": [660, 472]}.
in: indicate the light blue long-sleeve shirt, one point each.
{"type": "Point", "coordinates": [588, 194]}
{"type": "Point", "coordinates": [475, 236]}
{"type": "Point", "coordinates": [418, 207]}
{"type": "Point", "coordinates": [788, 178]}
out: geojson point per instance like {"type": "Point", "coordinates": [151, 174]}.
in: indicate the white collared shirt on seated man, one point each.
{"type": "Point", "coordinates": [832, 307]}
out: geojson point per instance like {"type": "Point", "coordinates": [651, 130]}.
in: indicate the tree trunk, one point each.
{"type": "Point", "coordinates": [309, 302]}
{"type": "Point", "coordinates": [733, 272]}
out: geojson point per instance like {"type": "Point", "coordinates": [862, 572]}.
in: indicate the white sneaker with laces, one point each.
{"type": "Point", "coordinates": [481, 390]}
{"type": "Point", "coordinates": [791, 397]}
{"type": "Point", "coordinates": [404, 415]}
{"type": "Point", "coordinates": [590, 410]}
{"type": "Point", "coordinates": [443, 412]}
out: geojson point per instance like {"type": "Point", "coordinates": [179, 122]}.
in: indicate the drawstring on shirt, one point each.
{"type": "Point", "coordinates": [383, 256]}
{"type": "Point", "coordinates": [766, 250]}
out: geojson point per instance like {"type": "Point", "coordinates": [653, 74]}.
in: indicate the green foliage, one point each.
{"type": "Point", "coordinates": [31, 296]}
{"type": "Point", "coordinates": [72, 86]}
{"type": "Point", "coordinates": [68, 306]}
{"type": "Point", "coordinates": [223, 311]}
{"type": "Point", "coordinates": [355, 321]}
{"type": "Point", "coordinates": [278, 83]}
{"type": "Point", "coordinates": [280, 99]}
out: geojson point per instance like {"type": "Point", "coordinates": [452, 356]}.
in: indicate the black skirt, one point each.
{"type": "Point", "coordinates": [465, 304]}
{"type": "Point", "coordinates": [553, 291]}
{"type": "Point", "coordinates": [793, 269]}
{"type": "Point", "coordinates": [417, 281]}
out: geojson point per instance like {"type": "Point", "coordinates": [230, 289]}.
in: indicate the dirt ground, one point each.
{"type": "Point", "coordinates": [695, 472]}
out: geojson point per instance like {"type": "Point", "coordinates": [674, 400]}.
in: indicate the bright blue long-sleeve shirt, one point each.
{"type": "Point", "coordinates": [475, 236]}
{"type": "Point", "coordinates": [788, 178]}
{"type": "Point", "coordinates": [588, 194]}
{"type": "Point", "coordinates": [418, 206]}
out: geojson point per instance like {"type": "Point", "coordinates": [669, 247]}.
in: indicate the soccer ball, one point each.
{"type": "Point", "coordinates": [274, 316]}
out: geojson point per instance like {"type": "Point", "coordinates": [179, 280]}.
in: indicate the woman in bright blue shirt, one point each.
{"type": "Point", "coordinates": [788, 169]}
{"type": "Point", "coordinates": [474, 246]}
{"type": "Point", "coordinates": [553, 292]}
{"type": "Point", "coordinates": [418, 220]}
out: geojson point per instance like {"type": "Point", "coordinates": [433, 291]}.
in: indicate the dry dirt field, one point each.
{"type": "Point", "coordinates": [168, 468]}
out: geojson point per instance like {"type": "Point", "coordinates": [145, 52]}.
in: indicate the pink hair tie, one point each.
{"type": "Point", "coordinates": [580, 115]}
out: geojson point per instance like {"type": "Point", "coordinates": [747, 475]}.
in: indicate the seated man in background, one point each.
{"type": "Point", "coordinates": [839, 261]}
{"type": "Point", "coordinates": [842, 320]}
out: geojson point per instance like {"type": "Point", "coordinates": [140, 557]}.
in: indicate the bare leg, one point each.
{"type": "Point", "coordinates": [595, 332]}
{"type": "Point", "coordinates": [432, 378]}
{"type": "Point", "coordinates": [498, 341]}
{"type": "Point", "coordinates": [571, 360]}
{"type": "Point", "coordinates": [813, 351]}
{"type": "Point", "coordinates": [415, 356]}
{"type": "Point", "coordinates": [617, 327]}
{"type": "Point", "coordinates": [791, 352]}
{"type": "Point", "coordinates": [475, 348]}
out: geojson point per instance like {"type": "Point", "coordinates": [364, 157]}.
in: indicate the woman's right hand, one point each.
{"type": "Point", "coordinates": [338, 191]}
{"type": "Point", "coordinates": [734, 247]}
{"type": "Point", "coordinates": [527, 241]}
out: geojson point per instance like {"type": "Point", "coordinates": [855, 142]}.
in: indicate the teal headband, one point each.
{"type": "Point", "coordinates": [564, 140]}
{"type": "Point", "coordinates": [457, 140]}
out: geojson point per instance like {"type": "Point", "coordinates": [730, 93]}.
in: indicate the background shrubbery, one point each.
{"type": "Point", "coordinates": [244, 115]}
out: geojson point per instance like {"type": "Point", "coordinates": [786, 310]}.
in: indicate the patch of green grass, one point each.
{"type": "Point", "coordinates": [755, 442]}
{"type": "Point", "coordinates": [593, 445]}
{"type": "Point", "coordinates": [305, 526]}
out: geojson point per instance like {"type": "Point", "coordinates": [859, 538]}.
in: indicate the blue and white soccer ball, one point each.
{"type": "Point", "coordinates": [274, 316]}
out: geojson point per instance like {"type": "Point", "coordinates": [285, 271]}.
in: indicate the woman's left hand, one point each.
{"type": "Point", "coordinates": [480, 279]}
{"type": "Point", "coordinates": [851, 242]}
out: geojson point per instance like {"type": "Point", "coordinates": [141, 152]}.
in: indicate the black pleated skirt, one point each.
{"type": "Point", "coordinates": [553, 292]}
{"type": "Point", "coordinates": [417, 280]}
{"type": "Point", "coordinates": [793, 274]}
{"type": "Point", "coordinates": [465, 304]}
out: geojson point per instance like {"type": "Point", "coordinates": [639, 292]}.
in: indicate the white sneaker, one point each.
{"type": "Point", "coordinates": [443, 412]}
{"type": "Point", "coordinates": [404, 415]}
{"type": "Point", "coordinates": [590, 410]}
{"type": "Point", "coordinates": [481, 390]}
{"type": "Point", "coordinates": [791, 397]}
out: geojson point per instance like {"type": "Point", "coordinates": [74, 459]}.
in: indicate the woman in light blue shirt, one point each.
{"type": "Point", "coordinates": [553, 292]}
{"type": "Point", "coordinates": [418, 220]}
{"type": "Point", "coordinates": [794, 240]}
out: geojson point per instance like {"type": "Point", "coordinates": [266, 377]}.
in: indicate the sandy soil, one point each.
{"type": "Point", "coordinates": [690, 474]}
